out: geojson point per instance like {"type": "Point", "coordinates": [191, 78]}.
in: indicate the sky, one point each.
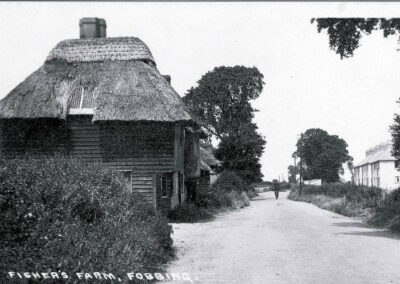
{"type": "Point", "coordinates": [307, 85]}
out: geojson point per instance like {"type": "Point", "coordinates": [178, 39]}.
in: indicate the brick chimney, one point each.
{"type": "Point", "coordinates": [92, 28]}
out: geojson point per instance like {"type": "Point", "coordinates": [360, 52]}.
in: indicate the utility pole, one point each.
{"type": "Point", "coordinates": [301, 163]}
{"type": "Point", "coordinates": [295, 174]}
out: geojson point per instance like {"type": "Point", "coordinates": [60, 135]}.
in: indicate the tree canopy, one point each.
{"type": "Point", "coordinates": [395, 131]}
{"type": "Point", "coordinates": [345, 33]}
{"type": "Point", "coordinates": [241, 151]}
{"type": "Point", "coordinates": [222, 103]}
{"type": "Point", "coordinates": [322, 154]}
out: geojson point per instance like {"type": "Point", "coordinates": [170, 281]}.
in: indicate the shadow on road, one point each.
{"type": "Point", "coordinates": [261, 198]}
{"type": "Point", "coordinates": [376, 233]}
{"type": "Point", "coordinates": [352, 224]}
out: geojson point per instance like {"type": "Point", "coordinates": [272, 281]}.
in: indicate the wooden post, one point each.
{"type": "Point", "coordinates": [301, 163]}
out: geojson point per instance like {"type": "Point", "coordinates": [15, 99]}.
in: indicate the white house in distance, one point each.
{"type": "Point", "coordinates": [378, 169]}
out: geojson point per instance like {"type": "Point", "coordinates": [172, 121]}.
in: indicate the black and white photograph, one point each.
{"type": "Point", "coordinates": [199, 142]}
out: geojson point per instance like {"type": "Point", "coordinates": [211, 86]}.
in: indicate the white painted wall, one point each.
{"type": "Point", "coordinates": [213, 178]}
{"type": "Point", "coordinates": [313, 182]}
{"type": "Point", "coordinates": [387, 174]}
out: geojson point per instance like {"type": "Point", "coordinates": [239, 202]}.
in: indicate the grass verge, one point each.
{"type": "Point", "coordinates": [374, 205]}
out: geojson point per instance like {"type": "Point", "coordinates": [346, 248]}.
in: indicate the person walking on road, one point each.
{"type": "Point", "coordinates": [275, 188]}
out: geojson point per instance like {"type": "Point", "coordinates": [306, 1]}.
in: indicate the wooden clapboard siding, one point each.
{"type": "Point", "coordinates": [144, 148]}
{"type": "Point", "coordinates": [147, 149]}
{"type": "Point", "coordinates": [144, 186]}
{"type": "Point", "coordinates": [36, 137]}
{"type": "Point", "coordinates": [85, 138]}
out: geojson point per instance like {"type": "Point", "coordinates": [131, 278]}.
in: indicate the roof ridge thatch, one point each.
{"type": "Point", "coordinates": [101, 49]}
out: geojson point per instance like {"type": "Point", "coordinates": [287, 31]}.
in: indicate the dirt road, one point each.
{"type": "Point", "coordinates": [285, 242]}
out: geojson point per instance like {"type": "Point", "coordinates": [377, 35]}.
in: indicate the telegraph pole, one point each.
{"type": "Point", "coordinates": [301, 163]}
{"type": "Point", "coordinates": [295, 174]}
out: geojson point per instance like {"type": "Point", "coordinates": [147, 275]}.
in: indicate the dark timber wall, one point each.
{"type": "Point", "coordinates": [147, 150]}
{"type": "Point", "coordinates": [34, 137]}
{"type": "Point", "coordinates": [85, 138]}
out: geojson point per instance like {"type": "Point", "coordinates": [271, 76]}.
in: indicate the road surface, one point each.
{"type": "Point", "coordinates": [285, 242]}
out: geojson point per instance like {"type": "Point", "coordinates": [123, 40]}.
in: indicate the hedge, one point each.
{"type": "Point", "coordinates": [60, 214]}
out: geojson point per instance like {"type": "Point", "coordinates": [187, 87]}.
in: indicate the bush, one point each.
{"type": "Point", "coordinates": [388, 214]}
{"type": "Point", "coordinates": [63, 214]}
{"type": "Point", "coordinates": [229, 181]}
{"type": "Point", "coordinates": [251, 192]}
{"type": "Point", "coordinates": [228, 191]}
{"type": "Point", "coordinates": [214, 199]}
{"type": "Point", "coordinates": [189, 212]}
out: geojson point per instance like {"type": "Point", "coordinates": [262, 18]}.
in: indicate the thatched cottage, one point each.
{"type": "Point", "coordinates": [103, 99]}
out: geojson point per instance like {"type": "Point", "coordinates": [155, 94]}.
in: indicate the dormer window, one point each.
{"type": "Point", "coordinates": [81, 103]}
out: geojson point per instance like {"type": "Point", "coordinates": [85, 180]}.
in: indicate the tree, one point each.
{"type": "Point", "coordinates": [345, 33]}
{"type": "Point", "coordinates": [221, 101]}
{"type": "Point", "coordinates": [241, 151]}
{"type": "Point", "coordinates": [323, 155]}
{"type": "Point", "coordinates": [395, 131]}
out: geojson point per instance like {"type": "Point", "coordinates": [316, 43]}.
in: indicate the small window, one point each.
{"type": "Point", "coordinates": [396, 164]}
{"type": "Point", "coordinates": [164, 191]}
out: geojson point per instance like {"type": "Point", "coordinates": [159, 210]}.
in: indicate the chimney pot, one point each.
{"type": "Point", "coordinates": [92, 28]}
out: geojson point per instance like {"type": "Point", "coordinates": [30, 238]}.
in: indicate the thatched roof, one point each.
{"type": "Point", "coordinates": [101, 49]}
{"type": "Point", "coordinates": [116, 78]}
{"type": "Point", "coordinates": [207, 157]}
{"type": "Point", "coordinates": [207, 160]}
{"type": "Point", "coordinates": [205, 167]}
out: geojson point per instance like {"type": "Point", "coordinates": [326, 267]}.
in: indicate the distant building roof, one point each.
{"type": "Point", "coordinates": [207, 156]}
{"type": "Point", "coordinates": [205, 167]}
{"type": "Point", "coordinates": [207, 159]}
{"type": "Point", "coordinates": [381, 152]}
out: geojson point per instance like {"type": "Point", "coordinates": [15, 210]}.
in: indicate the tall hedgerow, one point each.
{"type": "Point", "coordinates": [60, 214]}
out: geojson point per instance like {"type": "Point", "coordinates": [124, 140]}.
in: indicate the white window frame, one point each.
{"type": "Point", "coordinates": [80, 110]}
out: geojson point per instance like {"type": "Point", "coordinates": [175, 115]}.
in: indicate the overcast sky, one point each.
{"type": "Point", "coordinates": [307, 85]}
